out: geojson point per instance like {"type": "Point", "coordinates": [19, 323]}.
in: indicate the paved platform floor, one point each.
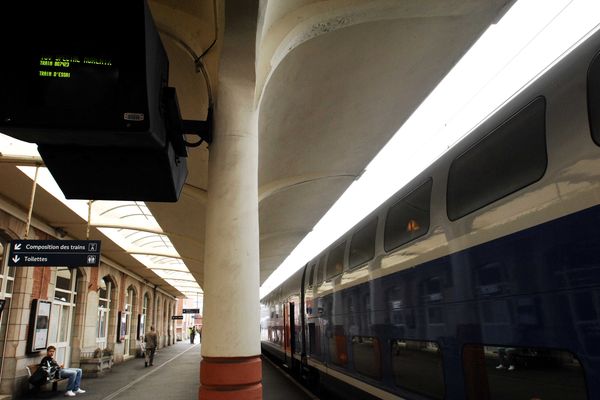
{"type": "Point", "coordinates": [174, 376]}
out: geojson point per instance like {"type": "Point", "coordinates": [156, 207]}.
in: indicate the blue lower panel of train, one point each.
{"type": "Point", "coordinates": [514, 318]}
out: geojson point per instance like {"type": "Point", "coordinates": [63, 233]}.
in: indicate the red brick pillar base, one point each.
{"type": "Point", "coordinates": [230, 378]}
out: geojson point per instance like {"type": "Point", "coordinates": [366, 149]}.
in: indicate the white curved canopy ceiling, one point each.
{"type": "Point", "coordinates": [128, 224]}
{"type": "Point", "coordinates": [335, 79]}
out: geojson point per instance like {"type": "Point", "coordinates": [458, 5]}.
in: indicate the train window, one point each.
{"type": "Point", "coordinates": [335, 261]}
{"type": "Point", "coordinates": [432, 289]}
{"type": "Point", "coordinates": [509, 158]}
{"type": "Point", "coordinates": [320, 270]}
{"type": "Point", "coordinates": [366, 353]}
{"type": "Point", "coordinates": [594, 98]}
{"type": "Point", "coordinates": [408, 219]}
{"type": "Point", "coordinates": [362, 245]}
{"type": "Point", "coordinates": [395, 304]}
{"type": "Point", "coordinates": [366, 300]}
{"type": "Point", "coordinates": [417, 367]}
{"type": "Point", "coordinates": [522, 373]}
{"type": "Point", "coordinates": [311, 274]}
{"type": "Point", "coordinates": [337, 346]}
{"type": "Point", "coordinates": [313, 349]}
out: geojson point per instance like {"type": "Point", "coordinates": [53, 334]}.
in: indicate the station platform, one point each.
{"type": "Point", "coordinates": [174, 376]}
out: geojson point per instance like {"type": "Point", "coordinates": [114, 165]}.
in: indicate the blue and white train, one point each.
{"type": "Point", "coordinates": [478, 280]}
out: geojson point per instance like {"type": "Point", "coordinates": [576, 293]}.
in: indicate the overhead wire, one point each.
{"type": "Point", "coordinates": [198, 60]}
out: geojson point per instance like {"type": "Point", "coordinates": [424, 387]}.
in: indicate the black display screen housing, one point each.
{"type": "Point", "coordinates": [75, 72]}
{"type": "Point", "coordinates": [86, 82]}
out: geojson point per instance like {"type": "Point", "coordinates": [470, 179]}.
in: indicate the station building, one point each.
{"type": "Point", "coordinates": [93, 311]}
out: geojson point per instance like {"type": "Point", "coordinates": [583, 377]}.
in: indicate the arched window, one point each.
{"type": "Point", "coordinates": [127, 314]}
{"type": "Point", "coordinates": [61, 316]}
{"type": "Point", "coordinates": [7, 279]}
{"type": "Point", "coordinates": [145, 304]}
{"type": "Point", "coordinates": [103, 312]}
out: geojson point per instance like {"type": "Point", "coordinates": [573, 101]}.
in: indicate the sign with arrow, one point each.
{"type": "Point", "coordinates": [191, 311]}
{"type": "Point", "coordinates": [52, 253]}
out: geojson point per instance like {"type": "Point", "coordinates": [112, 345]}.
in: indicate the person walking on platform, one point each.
{"type": "Point", "coordinates": [192, 334]}
{"type": "Point", "coordinates": [151, 340]}
{"type": "Point", "coordinates": [73, 374]}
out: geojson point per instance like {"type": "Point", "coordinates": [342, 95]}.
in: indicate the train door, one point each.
{"type": "Point", "coordinates": [292, 341]}
{"type": "Point", "coordinates": [309, 308]}
{"type": "Point", "coordinates": [286, 331]}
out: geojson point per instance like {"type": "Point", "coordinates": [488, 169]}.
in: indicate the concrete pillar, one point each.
{"type": "Point", "coordinates": [231, 365]}
{"type": "Point", "coordinates": [83, 335]}
{"type": "Point", "coordinates": [90, 323]}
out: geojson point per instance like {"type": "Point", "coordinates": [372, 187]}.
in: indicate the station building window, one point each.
{"type": "Point", "coordinates": [103, 313]}
{"type": "Point", "coordinates": [522, 373]}
{"type": "Point", "coordinates": [7, 279]}
{"type": "Point", "coordinates": [509, 158]}
{"type": "Point", "coordinates": [7, 274]}
{"type": "Point", "coordinates": [408, 218]}
{"type": "Point", "coordinates": [126, 320]}
{"type": "Point", "coordinates": [417, 367]}
{"type": "Point", "coordinates": [61, 315]}
{"type": "Point", "coordinates": [144, 316]}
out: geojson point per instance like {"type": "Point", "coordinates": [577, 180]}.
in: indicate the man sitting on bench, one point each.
{"type": "Point", "coordinates": [73, 374]}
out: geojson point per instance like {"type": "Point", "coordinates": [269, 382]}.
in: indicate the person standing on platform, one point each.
{"type": "Point", "coordinates": [192, 334]}
{"type": "Point", "coordinates": [151, 341]}
{"type": "Point", "coordinates": [200, 334]}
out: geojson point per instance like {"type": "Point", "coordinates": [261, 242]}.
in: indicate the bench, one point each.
{"type": "Point", "coordinates": [31, 368]}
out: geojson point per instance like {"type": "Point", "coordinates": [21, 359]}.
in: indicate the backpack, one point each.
{"type": "Point", "coordinates": [43, 374]}
{"type": "Point", "coordinates": [39, 377]}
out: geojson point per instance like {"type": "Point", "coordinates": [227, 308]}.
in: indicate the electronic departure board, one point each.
{"type": "Point", "coordinates": [74, 92]}
{"type": "Point", "coordinates": [75, 74]}
{"type": "Point", "coordinates": [87, 82]}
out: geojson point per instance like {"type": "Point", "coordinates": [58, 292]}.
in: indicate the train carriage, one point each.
{"type": "Point", "coordinates": [480, 279]}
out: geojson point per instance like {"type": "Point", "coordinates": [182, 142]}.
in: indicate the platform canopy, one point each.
{"type": "Point", "coordinates": [334, 80]}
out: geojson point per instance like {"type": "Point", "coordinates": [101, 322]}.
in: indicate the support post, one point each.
{"type": "Point", "coordinates": [231, 365]}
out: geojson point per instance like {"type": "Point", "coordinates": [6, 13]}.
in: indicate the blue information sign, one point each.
{"type": "Point", "coordinates": [52, 253]}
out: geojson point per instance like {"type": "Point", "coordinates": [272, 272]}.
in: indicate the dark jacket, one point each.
{"type": "Point", "coordinates": [151, 340]}
{"type": "Point", "coordinates": [50, 360]}
{"type": "Point", "coordinates": [50, 366]}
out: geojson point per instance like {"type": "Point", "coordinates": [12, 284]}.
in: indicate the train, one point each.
{"type": "Point", "coordinates": [479, 279]}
